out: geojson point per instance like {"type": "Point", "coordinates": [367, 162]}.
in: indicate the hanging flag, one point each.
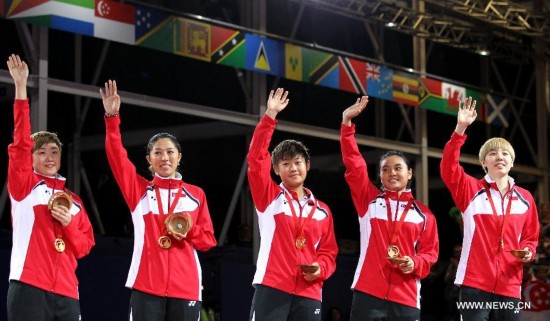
{"type": "Point", "coordinates": [481, 103]}
{"type": "Point", "coordinates": [264, 55]}
{"type": "Point", "coordinates": [352, 75]}
{"type": "Point", "coordinates": [193, 39]}
{"type": "Point", "coordinates": [227, 47]}
{"type": "Point", "coordinates": [154, 29]}
{"type": "Point", "coordinates": [405, 88]}
{"type": "Point", "coordinates": [19, 9]}
{"type": "Point", "coordinates": [430, 95]}
{"type": "Point", "coordinates": [453, 94]}
{"type": "Point", "coordinates": [497, 111]}
{"type": "Point", "coordinates": [293, 62]}
{"type": "Point", "coordinates": [379, 81]}
{"type": "Point", "coordinates": [14, 7]}
{"type": "Point", "coordinates": [114, 21]}
{"type": "Point", "coordinates": [321, 68]}
{"type": "Point", "coordinates": [69, 15]}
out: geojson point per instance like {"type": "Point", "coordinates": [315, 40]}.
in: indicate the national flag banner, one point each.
{"type": "Point", "coordinates": [405, 88]}
{"type": "Point", "coordinates": [264, 55]}
{"type": "Point", "coordinates": [379, 81]}
{"type": "Point", "coordinates": [193, 39]}
{"type": "Point", "coordinates": [154, 29]}
{"type": "Point", "coordinates": [453, 94]}
{"type": "Point", "coordinates": [481, 103]}
{"type": "Point", "coordinates": [75, 16]}
{"type": "Point", "coordinates": [293, 62]}
{"type": "Point", "coordinates": [352, 75]}
{"type": "Point", "coordinates": [321, 68]}
{"type": "Point", "coordinates": [18, 9]}
{"type": "Point", "coordinates": [227, 47]}
{"type": "Point", "coordinates": [430, 96]}
{"type": "Point", "coordinates": [498, 110]}
{"type": "Point", "coordinates": [114, 21]}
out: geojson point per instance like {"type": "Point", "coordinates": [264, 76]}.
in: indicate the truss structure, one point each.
{"type": "Point", "coordinates": [506, 29]}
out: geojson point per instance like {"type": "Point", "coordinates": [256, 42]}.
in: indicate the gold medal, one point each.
{"type": "Point", "coordinates": [393, 251]}
{"type": "Point", "coordinates": [165, 242]}
{"type": "Point", "coordinates": [300, 242]}
{"type": "Point", "coordinates": [179, 223]}
{"type": "Point", "coordinates": [60, 198]}
{"type": "Point", "coordinates": [59, 245]}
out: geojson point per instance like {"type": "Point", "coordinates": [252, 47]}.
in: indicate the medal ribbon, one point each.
{"type": "Point", "coordinates": [395, 228]}
{"type": "Point", "coordinates": [57, 230]}
{"type": "Point", "coordinates": [171, 208]}
{"type": "Point", "coordinates": [495, 215]}
{"type": "Point", "coordinates": [297, 227]}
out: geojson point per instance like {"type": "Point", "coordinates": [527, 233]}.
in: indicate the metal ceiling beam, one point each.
{"type": "Point", "coordinates": [507, 25]}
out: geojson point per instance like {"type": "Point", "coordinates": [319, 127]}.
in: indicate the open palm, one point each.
{"type": "Point", "coordinates": [466, 112]}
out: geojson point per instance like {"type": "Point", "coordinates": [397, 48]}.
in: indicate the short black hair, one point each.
{"type": "Point", "coordinates": [289, 148]}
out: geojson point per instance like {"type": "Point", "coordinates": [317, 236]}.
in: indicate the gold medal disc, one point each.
{"type": "Point", "coordinates": [300, 242]}
{"type": "Point", "coordinates": [393, 251]}
{"type": "Point", "coordinates": [59, 245]}
{"type": "Point", "coordinates": [165, 242]}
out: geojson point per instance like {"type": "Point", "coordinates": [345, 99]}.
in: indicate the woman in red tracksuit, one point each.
{"type": "Point", "coordinates": [399, 241]}
{"type": "Point", "coordinates": [47, 240]}
{"type": "Point", "coordinates": [500, 218]}
{"type": "Point", "coordinates": [165, 273]}
{"type": "Point", "coordinates": [295, 227]}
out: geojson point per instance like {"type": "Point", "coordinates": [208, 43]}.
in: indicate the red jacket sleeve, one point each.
{"type": "Point", "coordinates": [79, 232]}
{"type": "Point", "coordinates": [201, 235]}
{"type": "Point", "coordinates": [327, 249]}
{"type": "Point", "coordinates": [530, 232]}
{"type": "Point", "coordinates": [262, 186]}
{"type": "Point", "coordinates": [461, 185]}
{"type": "Point", "coordinates": [427, 246]}
{"type": "Point", "coordinates": [363, 191]}
{"type": "Point", "coordinates": [20, 171]}
{"type": "Point", "coordinates": [131, 184]}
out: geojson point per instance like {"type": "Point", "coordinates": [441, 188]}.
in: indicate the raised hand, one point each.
{"type": "Point", "coordinates": [111, 100]}
{"type": "Point", "coordinates": [354, 110]}
{"type": "Point", "coordinates": [276, 102]}
{"type": "Point", "coordinates": [19, 71]}
{"type": "Point", "coordinates": [466, 115]}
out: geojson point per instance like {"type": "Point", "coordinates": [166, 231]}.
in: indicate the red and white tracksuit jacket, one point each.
{"type": "Point", "coordinates": [174, 272]}
{"type": "Point", "coordinates": [483, 263]}
{"type": "Point", "coordinates": [278, 258]}
{"type": "Point", "coordinates": [418, 238]}
{"type": "Point", "coordinates": [34, 258]}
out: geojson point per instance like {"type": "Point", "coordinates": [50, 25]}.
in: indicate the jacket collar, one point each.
{"type": "Point", "coordinates": [165, 182]}
{"type": "Point", "coordinates": [405, 195]}
{"type": "Point", "coordinates": [488, 180]}
{"type": "Point", "coordinates": [57, 182]}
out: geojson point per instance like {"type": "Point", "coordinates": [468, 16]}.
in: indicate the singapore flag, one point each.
{"type": "Point", "coordinates": [114, 21]}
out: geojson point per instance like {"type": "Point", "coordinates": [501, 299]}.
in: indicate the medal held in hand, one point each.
{"type": "Point", "coordinates": [165, 242]}
{"type": "Point", "coordinates": [59, 245]}
{"type": "Point", "coordinates": [60, 198]}
{"type": "Point", "coordinates": [175, 223]}
{"type": "Point", "coordinates": [393, 251]}
{"type": "Point", "coordinates": [179, 223]}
